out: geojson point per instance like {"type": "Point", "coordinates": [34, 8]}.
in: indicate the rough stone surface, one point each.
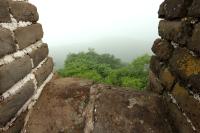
{"type": "Point", "coordinates": [7, 44]}
{"type": "Point", "coordinates": [194, 10]}
{"type": "Point", "coordinates": [184, 64]}
{"type": "Point", "coordinates": [194, 82]}
{"type": "Point", "coordinates": [26, 36]}
{"type": "Point", "coordinates": [18, 124]}
{"type": "Point", "coordinates": [195, 40]}
{"type": "Point", "coordinates": [39, 54]}
{"type": "Point", "coordinates": [162, 49]}
{"type": "Point", "coordinates": [167, 79]}
{"type": "Point", "coordinates": [155, 65]}
{"type": "Point", "coordinates": [13, 72]}
{"type": "Point", "coordinates": [177, 31]}
{"type": "Point", "coordinates": [43, 72]}
{"type": "Point", "coordinates": [24, 11]}
{"type": "Point", "coordinates": [154, 83]}
{"type": "Point", "coordinates": [178, 121]}
{"type": "Point", "coordinates": [4, 12]}
{"type": "Point", "coordinates": [190, 105]}
{"type": "Point", "coordinates": [10, 107]}
{"type": "Point", "coordinates": [75, 106]}
{"type": "Point", "coordinates": [173, 9]}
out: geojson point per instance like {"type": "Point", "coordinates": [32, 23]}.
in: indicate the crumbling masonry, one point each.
{"type": "Point", "coordinates": [24, 63]}
{"type": "Point", "coordinates": [175, 67]}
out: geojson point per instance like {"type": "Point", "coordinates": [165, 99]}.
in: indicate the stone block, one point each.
{"type": "Point", "coordinates": [178, 121]}
{"type": "Point", "coordinates": [195, 39]}
{"type": "Point", "coordinates": [184, 64]}
{"type": "Point", "coordinates": [167, 79]}
{"type": "Point", "coordinates": [155, 84]}
{"type": "Point", "coordinates": [176, 31]}
{"type": "Point", "coordinates": [7, 43]}
{"type": "Point", "coordinates": [24, 11]}
{"type": "Point", "coordinates": [194, 10]}
{"type": "Point", "coordinates": [10, 107]}
{"type": "Point", "coordinates": [13, 72]}
{"type": "Point", "coordinates": [173, 9]}
{"type": "Point", "coordinates": [163, 49]}
{"type": "Point", "coordinates": [155, 65]}
{"type": "Point", "coordinates": [188, 104]}
{"type": "Point", "coordinates": [25, 36]}
{"type": "Point", "coordinates": [39, 54]}
{"type": "Point", "coordinates": [44, 71]}
{"type": "Point", "coordinates": [4, 12]}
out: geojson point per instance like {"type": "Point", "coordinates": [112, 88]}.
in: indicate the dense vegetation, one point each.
{"type": "Point", "coordinates": [105, 68]}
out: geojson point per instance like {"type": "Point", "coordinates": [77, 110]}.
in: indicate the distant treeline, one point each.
{"type": "Point", "coordinates": [105, 68]}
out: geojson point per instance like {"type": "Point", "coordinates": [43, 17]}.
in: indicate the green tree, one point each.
{"type": "Point", "coordinates": [105, 68]}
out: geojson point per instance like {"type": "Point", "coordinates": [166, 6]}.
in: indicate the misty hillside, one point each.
{"type": "Point", "coordinates": [126, 49]}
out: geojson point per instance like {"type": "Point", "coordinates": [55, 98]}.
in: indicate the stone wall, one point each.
{"type": "Point", "coordinates": [25, 67]}
{"type": "Point", "coordinates": [175, 67]}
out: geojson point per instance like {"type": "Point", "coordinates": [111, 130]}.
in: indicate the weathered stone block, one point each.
{"type": "Point", "coordinates": [39, 54]}
{"type": "Point", "coordinates": [183, 64]}
{"type": "Point", "coordinates": [10, 107]}
{"type": "Point", "coordinates": [155, 65]}
{"type": "Point", "coordinates": [155, 84]}
{"type": "Point", "coordinates": [163, 49]}
{"type": "Point", "coordinates": [24, 11]}
{"type": "Point", "coordinates": [13, 72]}
{"type": "Point", "coordinates": [18, 125]}
{"type": "Point", "coordinates": [177, 31]}
{"type": "Point", "coordinates": [178, 121]}
{"type": "Point", "coordinates": [25, 36]}
{"type": "Point", "coordinates": [189, 105]}
{"type": "Point", "coordinates": [173, 9]}
{"type": "Point", "coordinates": [7, 44]}
{"type": "Point", "coordinates": [4, 12]}
{"type": "Point", "coordinates": [195, 39]}
{"type": "Point", "coordinates": [43, 72]}
{"type": "Point", "coordinates": [194, 10]}
{"type": "Point", "coordinates": [194, 82]}
{"type": "Point", "coordinates": [167, 79]}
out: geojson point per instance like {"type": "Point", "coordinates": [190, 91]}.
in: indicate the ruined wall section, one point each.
{"type": "Point", "coordinates": [175, 67]}
{"type": "Point", "coordinates": [25, 67]}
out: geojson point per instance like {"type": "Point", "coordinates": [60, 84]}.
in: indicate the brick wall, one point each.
{"type": "Point", "coordinates": [25, 67]}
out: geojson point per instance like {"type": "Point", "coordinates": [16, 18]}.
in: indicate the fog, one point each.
{"type": "Point", "coordinates": [125, 28]}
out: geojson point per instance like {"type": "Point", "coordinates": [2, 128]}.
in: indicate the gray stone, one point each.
{"type": "Point", "coordinates": [4, 12]}
{"type": "Point", "coordinates": [163, 49]}
{"type": "Point", "coordinates": [43, 72]}
{"type": "Point", "coordinates": [173, 9]}
{"type": "Point", "coordinates": [176, 31]}
{"type": "Point", "coordinates": [39, 54]}
{"type": "Point", "coordinates": [25, 36]}
{"type": "Point", "coordinates": [7, 44]}
{"type": "Point", "coordinates": [13, 72]}
{"type": "Point", "coordinates": [10, 107]}
{"type": "Point", "coordinates": [195, 40]}
{"type": "Point", "coordinates": [24, 11]}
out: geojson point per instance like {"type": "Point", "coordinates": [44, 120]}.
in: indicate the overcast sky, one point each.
{"type": "Point", "coordinates": [81, 22]}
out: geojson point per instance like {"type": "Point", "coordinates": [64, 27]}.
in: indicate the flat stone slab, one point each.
{"type": "Point", "coordinates": [75, 106]}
